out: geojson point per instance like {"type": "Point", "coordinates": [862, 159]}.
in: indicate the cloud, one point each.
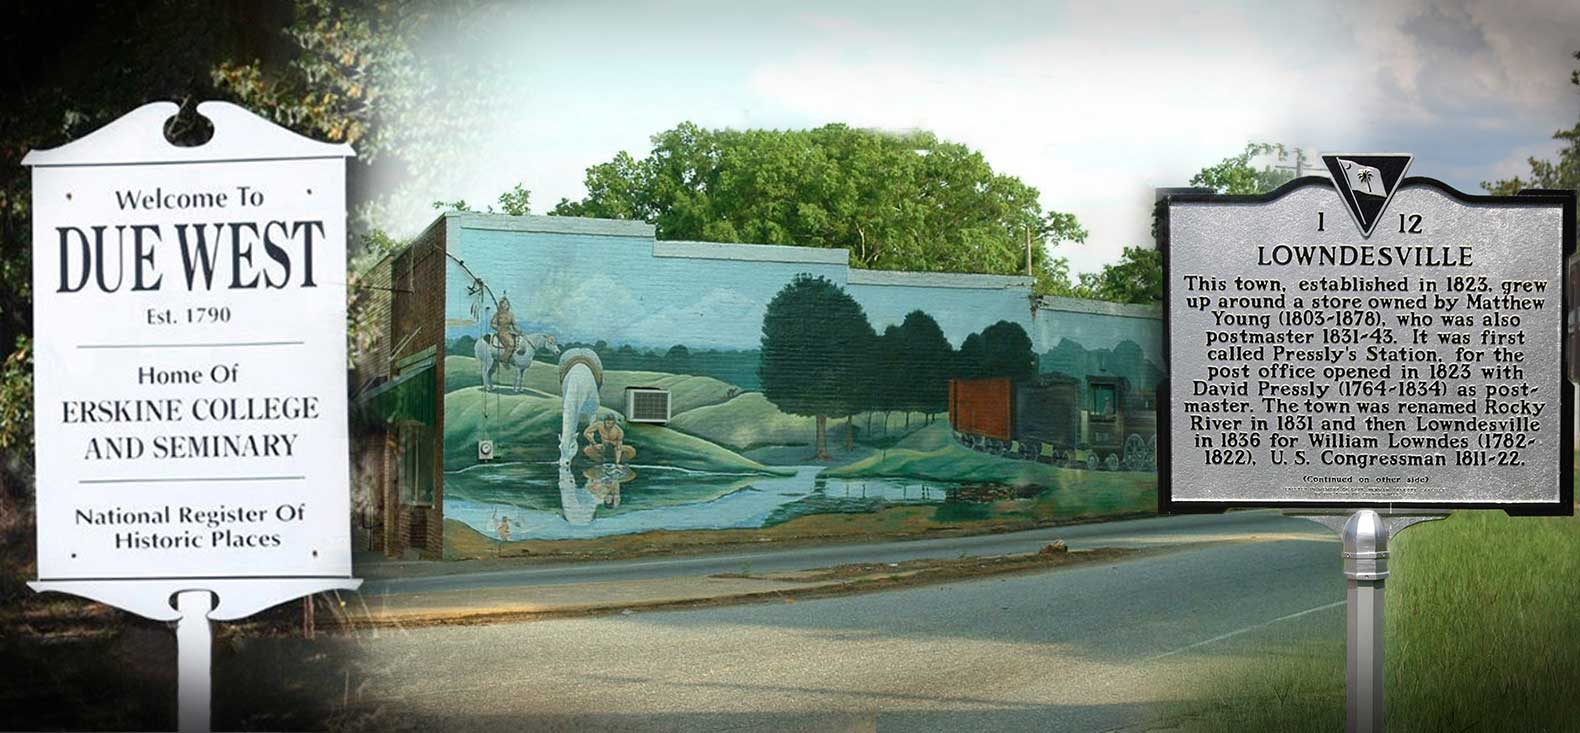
{"type": "Point", "coordinates": [1491, 62]}
{"type": "Point", "coordinates": [573, 308]}
{"type": "Point", "coordinates": [698, 324]}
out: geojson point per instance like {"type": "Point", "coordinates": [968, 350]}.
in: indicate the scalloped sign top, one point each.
{"type": "Point", "coordinates": [138, 137]}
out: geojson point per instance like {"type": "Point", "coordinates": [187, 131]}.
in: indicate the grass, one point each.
{"type": "Point", "coordinates": [1483, 633]}
{"type": "Point", "coordinates": [930, 453]}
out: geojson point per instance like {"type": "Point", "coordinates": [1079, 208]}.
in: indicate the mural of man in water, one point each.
{"type": "Point", "coordinates": [579, 503]}
{"type": "Point", "coordinates": [607, 442]}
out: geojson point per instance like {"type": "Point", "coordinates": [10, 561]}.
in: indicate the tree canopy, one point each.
{"type": "Point", "coordinates": [1136, 278]}
{"type": "Point", "coordinates": [1563, 173]}
{"type": "Point", "coordinates": [897, 201]}
{"type": "Point", "coordinates": [1235, 174]}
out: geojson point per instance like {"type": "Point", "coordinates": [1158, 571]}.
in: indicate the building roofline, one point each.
{"type": "Point", "coordinates": [551, 224]}
{"type": "Point", "coordinates": [1100, 307]}
{"type": "Point", "coordinates": [750, 252]}
{"type": "Point", "coordinates": [907, 278]}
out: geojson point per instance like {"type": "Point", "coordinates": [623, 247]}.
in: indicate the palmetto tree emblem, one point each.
{"type": "Point", "coordinates": [1366, 183]}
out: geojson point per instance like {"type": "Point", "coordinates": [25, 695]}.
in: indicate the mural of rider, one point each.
{"type": "Point", "coordinates": [505, 329]}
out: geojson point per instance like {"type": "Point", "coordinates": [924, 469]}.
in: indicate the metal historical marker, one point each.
{"type": "Point", "coordinates": [190, 381]}
{"type": "Point", "coordinates": [1369, 351]}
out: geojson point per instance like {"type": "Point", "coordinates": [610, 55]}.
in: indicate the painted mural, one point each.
{"type": "Point", "coordinates": [797, 389]}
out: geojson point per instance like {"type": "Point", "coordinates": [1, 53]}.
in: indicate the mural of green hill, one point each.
{"type": "Point", "coordinates": [928, 437]}
{"type": "Point", "coordinates": [526, 427]}
{"type": "Point", "coordinates": [953, 462]}
{"type": "Point", "coordinates": [687, 392]}
{"type": "Point", "coordinates": [750, 421]}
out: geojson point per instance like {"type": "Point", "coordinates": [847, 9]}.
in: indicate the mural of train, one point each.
{"type": "Point", "coordinates": [1046, 419]}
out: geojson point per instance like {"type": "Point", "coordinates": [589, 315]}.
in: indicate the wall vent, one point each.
{"type": "Point", "coordinates": [647, 405]}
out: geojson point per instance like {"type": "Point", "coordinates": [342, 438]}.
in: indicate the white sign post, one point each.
{"type": "Point", "coordinates": [190, 381]}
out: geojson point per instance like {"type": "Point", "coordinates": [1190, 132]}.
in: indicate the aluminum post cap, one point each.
{"type": "Point", "coordinates": [1365, 546]}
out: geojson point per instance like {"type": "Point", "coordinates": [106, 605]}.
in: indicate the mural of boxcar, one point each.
{"type": "Point", "coordinates": [1044, 420]}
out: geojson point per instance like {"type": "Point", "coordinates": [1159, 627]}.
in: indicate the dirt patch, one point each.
{"type": "Point", "coordinates": [608, 598]}
{"type": "Point", "coordinates": [471, 551]}
{"type": "Point", "coordinates": [944, 570]}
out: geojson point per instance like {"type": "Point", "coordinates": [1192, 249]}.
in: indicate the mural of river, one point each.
{"type": "Point", "coordinates": [543, 502]}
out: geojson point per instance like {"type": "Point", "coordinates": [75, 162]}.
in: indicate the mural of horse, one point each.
{"type": "Point", "coordinates": [491, 357]}
{"type": "Point", "coordinates": [581, 374]}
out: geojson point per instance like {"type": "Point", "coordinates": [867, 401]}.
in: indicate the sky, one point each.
{"type": "Point", "coordinates": [1094, 104]}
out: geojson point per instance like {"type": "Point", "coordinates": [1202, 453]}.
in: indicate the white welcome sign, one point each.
{"type": "Point", "coordinates": [190, 351]}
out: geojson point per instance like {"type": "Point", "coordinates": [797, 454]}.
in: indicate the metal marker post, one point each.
{"type": "Point", "coordinates": [1366, 534]}
{"type": "Point", "coordinates": [194, 659]}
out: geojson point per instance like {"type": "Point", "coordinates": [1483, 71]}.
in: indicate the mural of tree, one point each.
{"type": "Point", "coordinates": [1000, 350]}
{"type": "Point", "coordinates": [678, 359]}
{"type": "Point", "coordinates": [968, 361]}
{"type": "Point", "coordinates": [925, 364]}
{"type": "Point", "coordinates": [817, 347]}
{"type": "Point", "coordinates": [886, 392]}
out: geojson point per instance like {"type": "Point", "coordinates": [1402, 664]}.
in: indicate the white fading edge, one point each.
{"type": "Point", "coordinates": [139, 137]}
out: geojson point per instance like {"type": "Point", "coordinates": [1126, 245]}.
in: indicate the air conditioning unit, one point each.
{"type": "Point", "coordinates": [485, 450]}
{"type": "Point", "coordinates": [647, 405]}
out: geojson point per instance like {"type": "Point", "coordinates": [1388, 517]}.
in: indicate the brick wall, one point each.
{"type": "Point", "coordinates": [416, 319]}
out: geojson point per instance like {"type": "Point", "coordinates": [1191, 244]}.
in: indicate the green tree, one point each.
{"type": "Point", "coordinates": [1563, 173]}
{"type": "Point", "coordinates": [1236, 175]}
{"type": "Point", "coordinates": [1136, 278]}
{"type": "Point", "coordinates": [897, 201]}
{"type": "Point", "coordinates": [395, 79]}
{"type": "Point", "coordinates": [515, 202]}
{"type": "Point", "coordinates": [816, 347]}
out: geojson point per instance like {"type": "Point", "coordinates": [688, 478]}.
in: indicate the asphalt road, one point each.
{"type": "Point", "coordinates": [1132, 533]}
{"type": "Point", "coordinates": [1094, 647]}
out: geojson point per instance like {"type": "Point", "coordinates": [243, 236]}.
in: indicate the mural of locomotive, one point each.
{"type": "Point", "coordinates": [1043, 419]}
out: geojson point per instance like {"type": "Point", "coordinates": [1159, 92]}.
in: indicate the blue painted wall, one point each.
{"type": "Point", "coordinates": [689, 317]}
